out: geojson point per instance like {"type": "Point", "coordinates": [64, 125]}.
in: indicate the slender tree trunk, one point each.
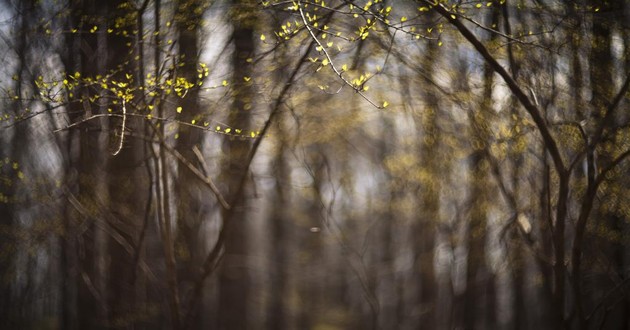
{"type": "Point", "coordinates": [385, 281]}
{"type": "Point", "coordinates": [277, 309]}
{"type": "Point", "coordinates": [480, 285]}
{"type": "Point", "coordinates": [234, 282]}
{"type": "Point", "coordinates": [520, 314]}
{"type": "Point", "coordinates": [477, 273]}
{"type": "Point", "coordinates": [545, 292]}
{"type": "Point", "coordinates": [601, 78]}
{"type": "Point", "coordinates": [425, 228]}
{"type": "Point", "coordinates": [127, 178]}
{"type": "Point", "coordinates": [82, 244]}
{"type": "Point", "coordinates": [10, 164]}
{"type": "Point", "coordinates": [310, 248]}
{"type": "Point", "coordinates": [191, 209]}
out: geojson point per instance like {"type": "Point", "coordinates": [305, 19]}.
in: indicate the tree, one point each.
{"type": "Point", "coordinates": [354, 164]}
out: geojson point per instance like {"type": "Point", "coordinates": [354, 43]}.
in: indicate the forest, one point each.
{"type": "Point", "coordinates": [311, 164]}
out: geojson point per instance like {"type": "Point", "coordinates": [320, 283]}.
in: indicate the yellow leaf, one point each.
{"type": "Point", "coordinates": [224, 83]}
{"type": "Point", "coordinates": [403, 19]}
{"type": "Point", "coordinates": [325, 62]}
{"type": "Point", "coordinates": [385, 104]}
{"type": "Point", "coordinates": [262, 37]}
{"type": "Point", "coordinates": [179, 109]}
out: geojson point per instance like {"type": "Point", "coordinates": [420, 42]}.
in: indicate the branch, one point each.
{"type": "Point", "coordinates": [601, 176]}
{"type": "Point", "coordinates": [112, 231]}
{"type": "Point", "coordinates": [610, 111]}
{"type": "Point", "coordinates": [330, 60]}
{"type": "Point", "coordinates": [534, 112]}
{"type": "Point", "coordinates": [598, 135]}
{"type": "Point", "coordinates": [204, 178]}
{"type": "Point", "coordinates": [212, 259]}
{"type": "Point", "coordinates": [86, 119]}
{"type": "Point", "coordinates": [591, 192]}
{"type": "Point", "coordinates": [122, 129]}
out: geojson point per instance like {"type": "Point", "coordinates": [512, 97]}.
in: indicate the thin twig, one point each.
{"type": "Point", "coordinates": [204, 178]}
{"type": "Point", "coordinates": [330, 60]}
{"type": "Point", "coordinates": [122, 129]}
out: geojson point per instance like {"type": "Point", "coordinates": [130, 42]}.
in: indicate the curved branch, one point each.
{"type": "Point", "coordinates": [122, 128]}
{"type": "Point", "coordinates": [532, 109]}
{"type": "Point", "coordinates": [330, 60]}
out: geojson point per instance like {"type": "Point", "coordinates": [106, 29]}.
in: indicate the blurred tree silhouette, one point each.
{"type": "Point", "coordinates": [337, 164]}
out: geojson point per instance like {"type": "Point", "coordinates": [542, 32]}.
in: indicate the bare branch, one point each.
{"type": "Point", "coordinates": [330, 60]}
{"type": "Point", "coordinates": [530, 107]}
{"type": "Point", "coordinates": [122, 128]}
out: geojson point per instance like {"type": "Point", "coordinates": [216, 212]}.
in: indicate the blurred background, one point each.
{"type": "Point", "coordinates": [198, 164]}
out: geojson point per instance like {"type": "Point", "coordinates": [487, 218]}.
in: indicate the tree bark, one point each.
{"type": "Point", "coordinates": [234, 282]}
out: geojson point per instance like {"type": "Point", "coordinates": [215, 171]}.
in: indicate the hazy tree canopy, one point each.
{"type": "Point", "coordinates": [240, 164]}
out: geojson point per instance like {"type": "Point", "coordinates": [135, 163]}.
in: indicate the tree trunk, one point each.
{"type": "Point", "coordinates": [191, 208]}
{"type": "Point", "coordinates": [82, 243]}
{"type": "Point", "coordinates": [127, 184]}
{"type": "Point", "coordinates": [234, 282]}
{"type": "Point", "coordinates": [425, 228]}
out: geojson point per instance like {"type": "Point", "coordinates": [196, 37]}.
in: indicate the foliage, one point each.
{"type": "Point", "coordinates": [349, 164]}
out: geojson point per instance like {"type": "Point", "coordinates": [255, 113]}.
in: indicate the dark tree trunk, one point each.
{"type": "Point", "coordinates": [10, 156]}
{"type": "Point", "coordinates": [277, 309]}
{"type": "Point", "coordinates": [127, 184]}
{"type": "Point", "coordinates": [425, 228]}
{"type": "Point", "coordinates": [84, 290]}
{"type": "Point", "coordinates": [192, 205]}
{"type": "Point", "coordinates": [234, 282]}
